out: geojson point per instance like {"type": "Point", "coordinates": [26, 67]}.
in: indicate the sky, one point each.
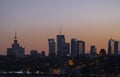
{"type": "Point", "coordinates": [94, 21]}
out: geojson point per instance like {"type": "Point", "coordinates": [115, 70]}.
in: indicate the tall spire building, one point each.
{"type": "Point", "coordinates": [60, 45]}
{"type": "Point", "coordinates": [16, 49]}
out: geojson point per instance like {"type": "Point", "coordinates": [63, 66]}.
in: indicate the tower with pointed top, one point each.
{"type": "Point", "coordinates": [15, 38]}
{"type": "Point", "coordinates": [16, 49]}
{"type": "Point", "coordinates": [60, 30]}
{"type": "Point", "coordinates": [62, 46]}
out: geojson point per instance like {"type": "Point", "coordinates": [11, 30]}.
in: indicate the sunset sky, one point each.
{"type": "Point", "coordinates": [94, 21]}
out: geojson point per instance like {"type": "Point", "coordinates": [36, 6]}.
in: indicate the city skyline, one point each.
{"type": "Point", "coordinates": [59, 47]}
{"type": "Point", "coordinates": [94, 22]}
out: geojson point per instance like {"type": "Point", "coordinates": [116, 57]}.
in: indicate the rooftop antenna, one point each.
{"type": "Point", "coordinates": [60, 30]}
{"type": "Point", "coordinates": [15, 35]}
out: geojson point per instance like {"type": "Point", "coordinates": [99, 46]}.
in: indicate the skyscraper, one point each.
{"type": "Point", "coordinates": [16, 49]}
{"type": "Point", "coordinates": [77, 47]}
{"type": "Point", "coordinates": [93, 50]}
{"type": "Point", "coordinates": [66, 49]}
{"type": "Point", "coordinates": [60, 45]}
{"type": "Point", "coordinates": [81, 47]}
{"type": "Point", "coordinates": [74, 48]}
{"type": "Point", "coordinates": [111, 47]}
{"type": "Point", "coordinates": [51, 47]}
{"type": "Point", "coordinates": [116, 47]}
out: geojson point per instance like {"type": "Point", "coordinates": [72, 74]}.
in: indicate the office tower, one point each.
{"type": "Point", "coordinates": [16, 49]}
{"type": "Point", "coordinates": [77, 47]}
{"type": "Point", "coordinates": [93, 50]}
{"type": "Point", "coordinates": [81, 47]}
{"type": "Point", "coordinates": [66, 49]}
{"type": "Point", "coordinates": [51, 47]}
{"type": "Point", "coordinates": [111, 47]}
{"type": "Point", "coordinates": [74, 48]}
{"type": "Point", "coordinates": [60, 45]}
{"type": "Point", "coordinates": [116, 48]}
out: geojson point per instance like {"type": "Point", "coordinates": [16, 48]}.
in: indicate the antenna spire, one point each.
{"type": "Point", "coordinates": [60, 30]}
{"type": "Point", "coordinates": [15, 35]}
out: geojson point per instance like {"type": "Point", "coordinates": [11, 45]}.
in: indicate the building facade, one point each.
{"type": "Point", "coordinates": [111, 47]}
{"type": "Point", "coordinates": [93, 50]}
{"type": "Point", "coordinates": [60, 45]}
{"type": "Point", "coordinates": [51, 47]}
{"type": "Point", "coordinates": [74, 47]}
{"type": "Point", "coordinates": [118, 47]}
{"type": "Point", "coordinates": [81, 47]}
{"type": "Point", "coordinates": [66, 49]}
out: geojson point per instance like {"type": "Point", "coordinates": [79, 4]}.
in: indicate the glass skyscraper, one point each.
{"type": "Point", "coordinates": [51, 47]}
{"type": "Point", "coordinates": [111, 48]}
{"type": "Point", "coordinates": [60, 45]}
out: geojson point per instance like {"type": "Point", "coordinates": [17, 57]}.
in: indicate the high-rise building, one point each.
{"type": "Point", "coordinates": [111, 47]}
{"type": "Point", "coordinates": [93, 50]}
{"type": "Point", "coordinates": [81, 46]}
{"type": "Point", "coordinates": [16, 49]}
{"type": "Point", "coordinates": [116, 48]}
{"type": "Point", "coordinates": [74, 48]}
{"type": "Point", "coordinates": [77, 47]}
{"type": "Point", "coordinates": [66, 49]}
{"type": "Point", "coordinates": [51, 47]}
{"type": "Point", "coordinates": [60, 45]}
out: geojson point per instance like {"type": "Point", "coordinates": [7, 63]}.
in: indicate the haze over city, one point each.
{"type": "Point", "coordinates": [35, 21]}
